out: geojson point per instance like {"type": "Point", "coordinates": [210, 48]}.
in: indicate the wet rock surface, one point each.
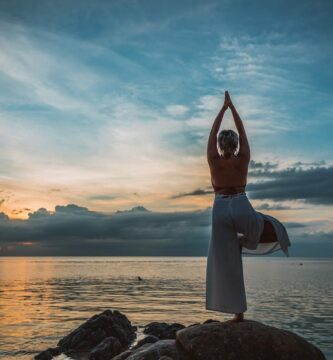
{"type": "Point", "coordinates": [97, 328]}
{"type": "Point", "coordinates": [109, 332]}
{"type": "Point", "coordinates": [106, 349]}
{"type": "Point", "coordinates": [249, 339]}
{"type": "Point", "coordinates": [163, 348]}
{"type": "Point", "coordinates": [163, 330]}
{"type": "Point", "coordinates": [148, 339]}
{"type": "Point", "coordinates": [48, 354]}
{"type": "Point", "coordinates": [108, 336]}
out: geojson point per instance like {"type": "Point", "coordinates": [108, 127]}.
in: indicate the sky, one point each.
{"type": "Point", "coordinates": [106, 108]}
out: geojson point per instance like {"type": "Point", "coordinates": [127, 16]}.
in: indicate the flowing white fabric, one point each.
{"type": "Point", "coordinates": [235, 223]}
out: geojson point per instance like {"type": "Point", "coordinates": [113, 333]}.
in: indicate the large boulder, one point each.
{"type": "Point", "coordinates": [96, 329]}
{"type": "Point", "coordinates": [102, 336]}
{"type": "Point", "coordinates": [246, 340]}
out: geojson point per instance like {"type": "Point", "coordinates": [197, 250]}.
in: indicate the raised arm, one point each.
{"type": "Point", "coordinates": [244, 148]}
{"type": "Point", "coordinates": [212, 152]}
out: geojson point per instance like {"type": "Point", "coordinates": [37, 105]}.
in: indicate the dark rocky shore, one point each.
{"type": "Point", "coordinates": [110, 335]}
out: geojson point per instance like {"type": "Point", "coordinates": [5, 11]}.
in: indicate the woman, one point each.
{"type": "Point", "coordinates": [236, 227]}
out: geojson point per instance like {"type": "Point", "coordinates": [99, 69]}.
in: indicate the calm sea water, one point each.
{"type": "Point", "coordinates": [44, 298]}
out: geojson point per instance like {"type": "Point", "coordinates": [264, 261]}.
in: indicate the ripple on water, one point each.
{"type": "Point", "coordinates": [39, 307]}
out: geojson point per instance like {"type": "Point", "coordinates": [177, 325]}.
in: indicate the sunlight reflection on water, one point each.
{"type": "Point", "coordinates": [42, 299]}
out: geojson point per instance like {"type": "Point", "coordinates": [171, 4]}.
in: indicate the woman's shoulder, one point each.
{"type": "Point", "coordinates": [236, 162]}
{"type": "Point", "coordinates": [238, 158]}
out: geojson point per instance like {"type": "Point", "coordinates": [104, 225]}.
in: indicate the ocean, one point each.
{"type": "Point", "coordinates": [43, 298]}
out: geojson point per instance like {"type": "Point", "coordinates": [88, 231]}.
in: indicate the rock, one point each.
{"type": "Point", "coordinates": [108, 335]}
{"type": "Point", "coordinates": [106, 324]}
{"type": "Point", "coordinates": [210, 320]}
{"type": "Point", "coordinates": [48, 354]}
{"type": "Point", "coordinates": [148, 339]}
{"type": "Point", "coordinates": [167, 347]}
{"type": "Point", "coordinates": [127, 353]}
{"type": "Point", "coordinates": [106, 349]}
{"type": "Point", "coordinates": [246, 340]}
{"type": "Point", "coordinates": [124, 355]}
{"type": "Point", "coordinates": [194, 324]}
{"type": "Point", "coordinates": [163, 330]}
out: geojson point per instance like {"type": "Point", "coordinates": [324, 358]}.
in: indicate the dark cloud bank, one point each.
{"type": "Point", "coordinates": [307, 182]}
{"type": "Point", "coordinates": [311, 185]}
{"type": "Point", "coordinates": [74, 230]}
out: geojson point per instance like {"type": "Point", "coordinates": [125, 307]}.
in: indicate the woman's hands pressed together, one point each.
{"type": "Point", "coordinates": [227, 100]}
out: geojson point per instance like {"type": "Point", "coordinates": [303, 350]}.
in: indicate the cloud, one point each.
{"type": "Point", "coordinates": [255, 165]}
{"type": "Point", "coordinates": [298, 182]}
{"type": "Point", "coordinates": [197, 192]}
{"type": "Point", "coordinates": [76, 230]}
{"type": "Point", "coordinates": [310, 163]}
{"type": "Point", "coordinates": [102, 197]}
{"type": "Point", "coordinates": [270, 72]}
{"type": "Point", "coordinates": [209, 102]}
{"type": "Point", "coordinates": [269, 168]}
{"type": "Point", "coordinates": [313, 185]}
{"type": "Point", "coordinates": [266, 206]}
{"type": "Point", "coordinates": [136, 209]}
{"type": "Point", "coordinates": [3, 217]}
{"type": "Point", "coordinates": [263, 60]}
{"type": "Point", "coordinates": [176, 110]}
{"type": "Point", "coordinates": [120, 93]}
{"type": "Point", "coordinates": [313, 244]}
{"type": "Point", "coordinates": [294, 225]}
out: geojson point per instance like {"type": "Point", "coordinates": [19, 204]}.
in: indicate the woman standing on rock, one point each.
{"type": "Point", "coordinates": [236, 227]}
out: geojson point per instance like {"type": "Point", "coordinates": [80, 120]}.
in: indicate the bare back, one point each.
{"type": "Point", "coordinates": [229, 174]}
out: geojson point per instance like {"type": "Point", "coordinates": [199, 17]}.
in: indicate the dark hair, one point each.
{"type": "Point", "coordinates": [228, 141]}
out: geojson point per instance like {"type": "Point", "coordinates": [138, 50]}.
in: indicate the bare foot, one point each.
{"type": "Point", "coordinates": [238, 317]}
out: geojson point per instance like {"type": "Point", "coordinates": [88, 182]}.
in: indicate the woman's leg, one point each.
{"type": "Point", "coordinates": [268, 235]}
{"type": "Point", "coordinates": [225, 288]}
{"type": "Point", "coordinates": [238, 317]}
